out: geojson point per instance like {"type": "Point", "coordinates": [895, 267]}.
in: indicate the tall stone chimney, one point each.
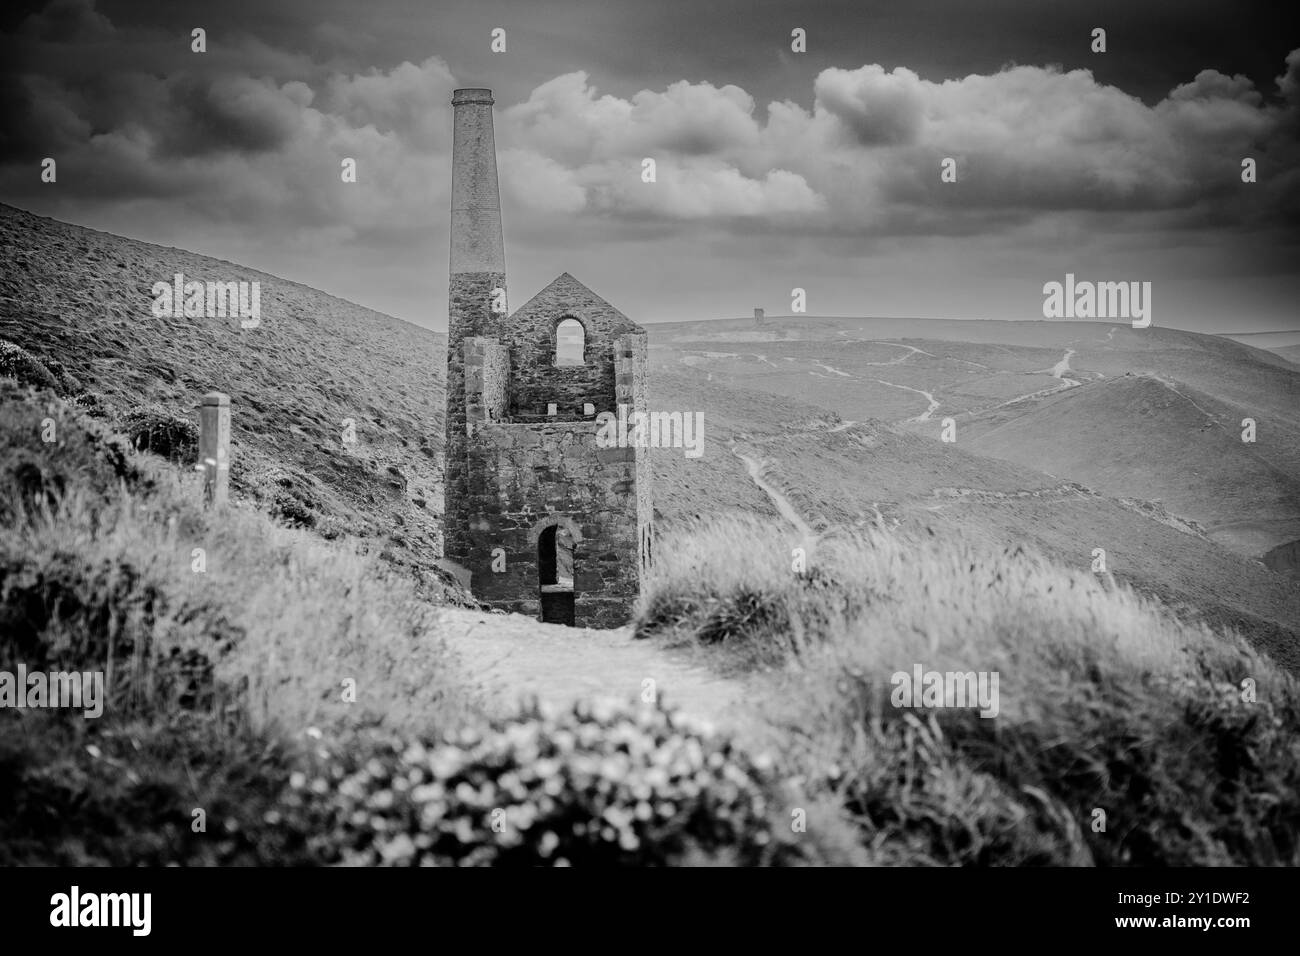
{"type": "Point", "coordinates": [478, 271]}
{"type": "Point", "coordinates": [476, 242]}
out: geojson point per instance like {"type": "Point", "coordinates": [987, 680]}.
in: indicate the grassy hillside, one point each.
{"type": "Point", "coordinates": [1071, 436]}
{"type": "Point", "coordinates": [1289, 352]}
{"type": "Point", "coordinates": [221, 638]}
{"type": "Point", "coordinates": [1048, 334]}
{"type": "Point", "coordinates": [716, 482]}
{"type": "Point", "coordinates": [278, 665]}
{"type": "Point", "coordinates": [1119, 735]}
{"type": "Point", "coordinates": [880, 368]}
{"type": "Point", "coordinates": [1053, 492]}
{"type": "Point", "coordinates": [277, 699]}
{"type": "Point", "coordinates": [1142, 436]}
{"type": "Point", "coordinates": [83, 298]}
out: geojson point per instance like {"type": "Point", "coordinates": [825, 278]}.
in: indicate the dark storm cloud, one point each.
{"type": "Point", "coordinates": [66, 21]}
{"type": "Point", "coordinates": [229, 114]}
{"type": "Point", "coordinates": [750, 140]}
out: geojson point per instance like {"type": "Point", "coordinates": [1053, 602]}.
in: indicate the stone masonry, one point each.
{"type": "Point", "coordinates": [514, 469]}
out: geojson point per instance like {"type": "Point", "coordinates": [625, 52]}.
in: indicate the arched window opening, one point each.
{"type": "Point", "coordinates": [570, 343]}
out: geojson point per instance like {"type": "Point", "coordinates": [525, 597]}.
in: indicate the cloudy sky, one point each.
{"type": "Point", "coordinates": [776, 169]}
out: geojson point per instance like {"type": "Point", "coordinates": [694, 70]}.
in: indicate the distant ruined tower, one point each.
{"type": "Point", "coordinates": [759, 318]}
{"type": "Point", "coordinates": [544, 520]}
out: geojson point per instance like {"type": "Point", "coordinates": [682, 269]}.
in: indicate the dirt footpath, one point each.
{"type": "Point", "coordinates": [510, 656]}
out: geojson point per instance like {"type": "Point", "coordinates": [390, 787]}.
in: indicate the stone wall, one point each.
{"type": "Point", "coordinates": [530, 334]}
{"type": "Point", "coordinates": [469, 316]}
{"type": "Point", "coordinates": [487, 376]}
{"type": "Point", "coordinates": [539, 382]}
{"type": "Point", "coordinates": [523, 477]}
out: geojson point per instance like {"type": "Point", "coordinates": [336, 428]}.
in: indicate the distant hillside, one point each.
{"type": "Point", "coordinates": [1273, 341]}
{"type": "Point", "coordinates": [1289, 352]}
{"type": "Point", "coordinates": [1001, 377]}
{"type": "Point", "coordinates": [1039, 333]}
{"type": "Point", "coordinates": [1142, 436]}
{"type": "Point", "coordinates": [83, 298]}
{"type": "Point", "coordinates": [846, 427]}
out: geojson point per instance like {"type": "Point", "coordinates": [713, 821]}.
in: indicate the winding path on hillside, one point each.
{"type": "Point", "coordinates": [510, 657]}
{"type": "Point", "coordinates": [1057, 371]}
{"type": "Point", "coordinates": [1063, 366]}
{"type": "Point", "coordinates": [926, 415]}
{"type": "Point", "coordinates": [782, 503]}
{"type": "Point", "coordinates": [911, 350]}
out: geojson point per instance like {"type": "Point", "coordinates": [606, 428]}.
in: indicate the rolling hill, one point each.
{"type": "Point", "coordinates": [1144, 436]}
{"type": "Point", "coordinates": [1070, 436]}
{"type": "Point", "coordinates": [1289, 352]}
{"type": "Point", "coordinates": [83, 298]}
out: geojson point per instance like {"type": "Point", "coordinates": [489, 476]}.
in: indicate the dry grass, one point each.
{"type": "Point", "coordinates": [224, 637]}
{"type": "Point", "coordinates": [285, 617]}
{"type": "Point", "coordinates": [1107, 701]}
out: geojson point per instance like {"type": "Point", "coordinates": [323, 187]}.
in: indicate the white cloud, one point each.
{"type": "Point", "coordinates": [532, 181]}
{"type": "Point", "coordinates": [866, 157]}
{"type": "Point", "coordinates": [878, 108]}
{"type": "Point", "coordinates": [408, 100]}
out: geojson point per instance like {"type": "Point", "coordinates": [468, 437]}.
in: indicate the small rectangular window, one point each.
{"type": "Point", "coordinates": [588, 410]}
{"type": "Point", "coordinates": [552, 409]}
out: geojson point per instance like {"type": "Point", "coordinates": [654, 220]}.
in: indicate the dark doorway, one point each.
{"type": "Point", "coordinates": [555, 575]}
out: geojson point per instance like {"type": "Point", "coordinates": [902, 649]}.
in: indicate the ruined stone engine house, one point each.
{"type": "Point", "coordinates": [544, 520]}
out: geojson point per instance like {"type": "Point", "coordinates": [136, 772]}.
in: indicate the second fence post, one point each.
{"type": "Point", "coordinates": [214, 447]}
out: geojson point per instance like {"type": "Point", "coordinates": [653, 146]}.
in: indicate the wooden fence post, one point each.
{"type": "Point", "coordinates": [214, 447]}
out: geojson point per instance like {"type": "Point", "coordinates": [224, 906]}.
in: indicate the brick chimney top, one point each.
{"type": "Point", "coordinates": [465, 97]}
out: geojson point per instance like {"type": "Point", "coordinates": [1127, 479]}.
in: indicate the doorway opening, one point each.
{"type": "Point", "coordinates": [555, 575]}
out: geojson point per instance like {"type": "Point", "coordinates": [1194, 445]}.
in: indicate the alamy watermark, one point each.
{"type": "Point", "coordinates": [208, 300]}
{"type": "Point", "coordinates": [651, 430]}
{"type": "Point", "coordinates": [75, 689]}
{"type": "Point", "coordinates": [1098, 300]}
{"type": "Point", "coordinates": [75, 908]}
{"type": "Point", "coordinates": [963, 689]}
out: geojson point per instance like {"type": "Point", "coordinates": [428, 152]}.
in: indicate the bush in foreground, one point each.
{"type": "Point", "coordinates": [600, 784]}
{"type": "Point", "coordinates": [16, 362]}
{"type": "Point", "coordinates": [155, 429]}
